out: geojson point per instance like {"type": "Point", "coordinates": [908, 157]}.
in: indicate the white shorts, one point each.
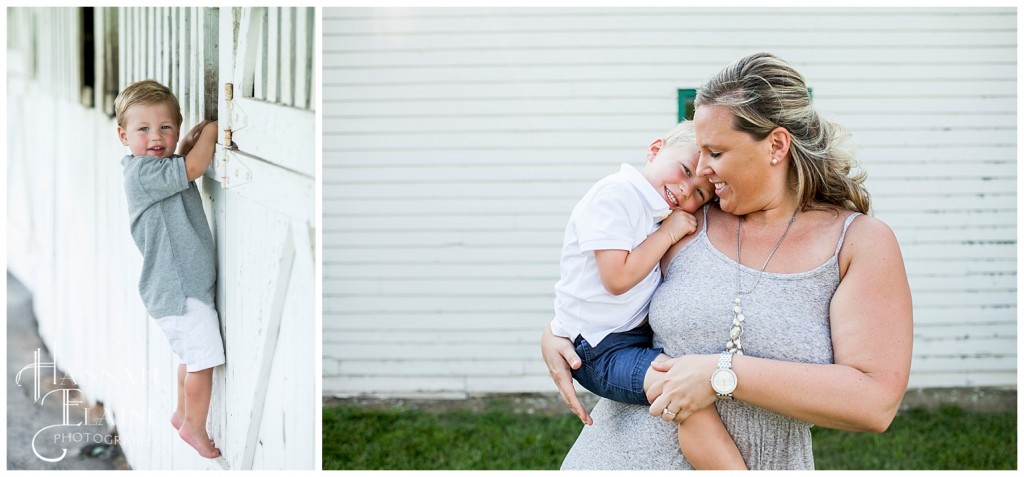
{"type": "Point", "coordinates": [195, 336]}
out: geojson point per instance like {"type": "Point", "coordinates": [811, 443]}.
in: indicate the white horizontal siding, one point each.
{"type": "Point", "coordinates": [456, 142]}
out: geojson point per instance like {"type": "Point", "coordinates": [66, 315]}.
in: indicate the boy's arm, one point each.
{"type": "Point", "coordinates": [706, 443]}
{"type": "Point", "coordinates": [621, 270]}
{"type": "Point", "coordinates": [197, 160]}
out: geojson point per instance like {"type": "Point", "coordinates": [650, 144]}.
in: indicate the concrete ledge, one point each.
{"type": "Point", "coordinates": [525, 403]}
{"type": "Point", "coordinates": [977, 399]}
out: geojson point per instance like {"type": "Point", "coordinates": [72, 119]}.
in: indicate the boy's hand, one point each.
{"type": "Point", "coordinates": [201, 142]}
{"type": "Point", "coordinates": [560, 355]}
{"type": "Point", "coordinates": [679, 224]}
{"type": "Point", "coordinates": [192, 137]}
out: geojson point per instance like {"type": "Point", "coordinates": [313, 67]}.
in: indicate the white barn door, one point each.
{"type": "Point", "coordinates": [263, 207]}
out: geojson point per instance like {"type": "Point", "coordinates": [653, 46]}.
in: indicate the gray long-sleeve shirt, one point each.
{"type": "Point", "coordinates": [170, 229]}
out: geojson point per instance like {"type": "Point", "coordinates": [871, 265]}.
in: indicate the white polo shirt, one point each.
{"type": "Point", "coordinates": [617, 213]}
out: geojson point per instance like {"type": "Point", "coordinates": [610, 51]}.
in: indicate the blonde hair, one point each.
{"type": "Point", "coordinates": [682, 133]}
{"type": "Point", "coordinates": [147, 92]}
{"type": "Point", "coordinates": [764, 92]}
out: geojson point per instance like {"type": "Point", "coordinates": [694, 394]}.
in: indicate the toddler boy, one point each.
{"type": "Point", "coordinates": [610, 267]}
{"type": "Point", "coordinates": [170, 229]}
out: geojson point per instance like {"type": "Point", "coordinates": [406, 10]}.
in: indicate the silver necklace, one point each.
{"type": "Point", "coordinates": [736, 331]}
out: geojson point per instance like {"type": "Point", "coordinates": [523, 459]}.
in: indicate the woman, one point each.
{"type": "Point", "coordinates": [797, 302]}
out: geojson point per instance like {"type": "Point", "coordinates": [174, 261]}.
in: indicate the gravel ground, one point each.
{"type": "Point", "coordinates": [26, 417]}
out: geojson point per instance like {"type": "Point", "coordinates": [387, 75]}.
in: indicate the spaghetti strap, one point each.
{"type": "Point", "coordinates": [849, 220]}
{"type": "Point", "coordinates": [704, 228]}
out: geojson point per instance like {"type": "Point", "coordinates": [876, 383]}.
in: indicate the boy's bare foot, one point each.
{"type": "Point", "coordinates": [177, 419]}
{"type": "Point", "coordinates": [202, 444]}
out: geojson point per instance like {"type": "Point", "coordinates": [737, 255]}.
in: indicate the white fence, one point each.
{"type": "Point", "coordinates": [456, 141]}
{"type": "Point", "coordinates": [68, 237]}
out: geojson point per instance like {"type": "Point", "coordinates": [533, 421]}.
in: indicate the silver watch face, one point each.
{"type": "Point", "coordinates": [723, 381]}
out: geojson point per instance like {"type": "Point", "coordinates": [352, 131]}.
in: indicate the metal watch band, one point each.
{"type": "Point", "coordinates": [725, 360]}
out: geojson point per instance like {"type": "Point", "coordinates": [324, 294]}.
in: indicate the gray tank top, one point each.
{"type": "Point", "coordinates": [787, 318]}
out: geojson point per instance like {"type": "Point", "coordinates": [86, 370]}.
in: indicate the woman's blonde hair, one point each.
{"type": "Point", "coordinates": [764, 92]}
{"type": "Point", "coordinates": [145, 92]}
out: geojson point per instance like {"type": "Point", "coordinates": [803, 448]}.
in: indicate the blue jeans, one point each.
{"type": "Point", "coordinates": [615, 369]}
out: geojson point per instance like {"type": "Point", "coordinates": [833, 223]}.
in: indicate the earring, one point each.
{"type": "Point", "coordinates": [775, 162]}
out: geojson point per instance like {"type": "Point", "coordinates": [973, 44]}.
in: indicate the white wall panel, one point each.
{"type": "Point", "coordinates": [456, 142]}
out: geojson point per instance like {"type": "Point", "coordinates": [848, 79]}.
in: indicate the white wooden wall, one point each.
{"type": "Point", "coordinates": [69, 241]}
{"type": "Point", "coordinates": [456, 142]}
{"type": "Point", "coordinates": [264, 234]}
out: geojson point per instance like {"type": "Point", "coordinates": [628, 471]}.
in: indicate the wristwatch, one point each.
{"type": "Point", "coordinates": [723, 380]}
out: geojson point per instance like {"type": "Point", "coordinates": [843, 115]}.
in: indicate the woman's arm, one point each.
{"type": "Point", "coordinates": [872, 338]}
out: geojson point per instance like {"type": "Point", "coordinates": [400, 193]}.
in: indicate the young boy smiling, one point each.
{"type": "Point", "coordinates": [610, 267]}
{"type": "Point", "coordinates": [169, 227]}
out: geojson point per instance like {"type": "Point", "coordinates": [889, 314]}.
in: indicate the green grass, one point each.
{"type": "Point", "coordinates": [356, 438]}
{"type": "Point", "coordinates": [497, 438]}
{"type": "Point", "coordinates": [948, 439]}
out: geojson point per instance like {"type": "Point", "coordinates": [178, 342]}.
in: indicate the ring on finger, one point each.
{"type": "Point", "coordinates": [666, 411]}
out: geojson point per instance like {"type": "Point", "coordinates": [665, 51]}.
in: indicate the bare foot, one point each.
{"type": "Point", "coordinates": [202, 444]}
{"type": "Point", "coordinates": [177, 419]}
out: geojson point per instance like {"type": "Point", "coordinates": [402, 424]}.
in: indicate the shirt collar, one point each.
{"type": "Point", "coordinates": [652, 199]}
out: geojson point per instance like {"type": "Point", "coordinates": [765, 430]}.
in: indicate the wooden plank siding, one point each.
{"type": "Point", "coordinates": [456, 142]}
{"type": "Point", "coordinates": [69, 240]}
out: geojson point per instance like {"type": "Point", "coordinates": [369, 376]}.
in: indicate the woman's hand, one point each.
{"type": "Point", "coordinates": [559, 354]}
{"type": "Point", "coordinates": [685, 389]}
{"type": "Point", "coordinates": [192, 137]}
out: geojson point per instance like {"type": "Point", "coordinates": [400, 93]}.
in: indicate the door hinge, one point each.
{"type": "Point", "coordinates": [229, 94]}
{"type": "Point", "coordinates": [229, 166]}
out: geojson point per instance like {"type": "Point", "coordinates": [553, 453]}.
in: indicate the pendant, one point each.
{"type": "Point", "coordinates": [736, 331]}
